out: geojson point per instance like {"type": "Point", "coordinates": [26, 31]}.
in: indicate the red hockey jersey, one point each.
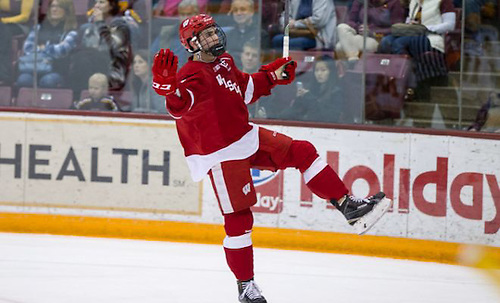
{"type": "Point", "coordinates": [211, 113]}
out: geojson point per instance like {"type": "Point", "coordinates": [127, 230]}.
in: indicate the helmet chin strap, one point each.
{"type": "Point", "coordinates": [199, 56]}
{"type": "Point", "coordinates": [217, 50]}
{"type": "Point", "coordinates": [213, 52]}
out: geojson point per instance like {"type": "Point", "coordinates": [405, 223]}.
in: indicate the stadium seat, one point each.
{"type": "Point", "coordinates": [45, 98]}
{"type": "Point", "coordinates": [305, 59]}
{"type": "Point", "coordinates": [5, 96]}
{"type": "Point", "coordinates": [386, 83]}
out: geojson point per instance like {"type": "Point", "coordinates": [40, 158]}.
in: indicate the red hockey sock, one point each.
{"type": "Point", "coordinates": [321, 179]}
{"type": "Point", "coordinates": [238, 243]}
{"type": "Point", "coordinates": [240, 262]}
{"type": "Point", "coordinates": [327, 184]}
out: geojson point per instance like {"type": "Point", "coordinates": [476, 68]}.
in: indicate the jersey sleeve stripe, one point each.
{"type": "Point", "coordinates": [190, 106]}
{"type": "Point", "coordinates": [192, 98]}
{"type": "Point", "coordinates": [249, 91]}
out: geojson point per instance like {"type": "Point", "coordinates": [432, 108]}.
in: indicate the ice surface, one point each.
{"type": "Point", "coordinates": [61, 269]}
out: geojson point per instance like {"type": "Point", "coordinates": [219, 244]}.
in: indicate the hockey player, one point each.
{"type": "Point", "coordinates": [208, 97]}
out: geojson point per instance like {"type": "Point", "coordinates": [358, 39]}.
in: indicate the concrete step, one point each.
{"type": "Point", "coordinates": [471, 96]}
{"type": "Point", "coordinates": [475, 79]}
{"type": "Point", "coordinates": [420, 110]}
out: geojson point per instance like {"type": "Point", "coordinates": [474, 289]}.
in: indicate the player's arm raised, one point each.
{"type": "Point", "coordinates": [281, 71]}
{"type": "Point", "coordinates": [165, 83]}
{"type": "Point", "coordinates": [278, 72]}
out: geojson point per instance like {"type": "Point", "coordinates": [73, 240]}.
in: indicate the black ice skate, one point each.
{"type": "Point", "coordinates": [362, 214]}
{"type": "Point", "coordinates": [250, 292]}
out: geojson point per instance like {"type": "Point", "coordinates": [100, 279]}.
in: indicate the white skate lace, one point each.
{"type": "Point", "coordinates": [359, 201]}
{"type": "Point", "coordinates": [251, 290]}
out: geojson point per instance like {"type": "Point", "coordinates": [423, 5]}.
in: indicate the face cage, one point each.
{"type": "Point", "coordinates": [215, 50]}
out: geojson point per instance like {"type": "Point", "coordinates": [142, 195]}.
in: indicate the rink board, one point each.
{"type": "Point", "coordinates": [85, 163]}
{"type": "Point", "coordinates": [74, 167]}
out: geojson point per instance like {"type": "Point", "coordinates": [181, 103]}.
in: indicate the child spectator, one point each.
{"type": "Point", "coordinates": [144, 97]}
{"type": "Point", "coordinates": [56, 38]}
{"type": "Point", "coordinates": [99, 98]}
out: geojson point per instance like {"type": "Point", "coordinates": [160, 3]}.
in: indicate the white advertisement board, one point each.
{"type": "Point", "coordinates": [444, 187]}
{"type": "Point", "coordinates": [94, 163]}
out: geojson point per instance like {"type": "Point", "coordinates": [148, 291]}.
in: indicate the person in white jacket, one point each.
{"type": "Point", "coordinates": [318, 13]}
{"type": "Point", "coordinates": [438, 16]}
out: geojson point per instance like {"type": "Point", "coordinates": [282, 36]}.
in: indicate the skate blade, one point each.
{"type": "Point", "coordinates": [365, 223]}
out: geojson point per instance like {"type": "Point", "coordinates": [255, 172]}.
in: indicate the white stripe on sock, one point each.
{"type": "Point", "coordinates": [238, 242]}
{"type": "Point", "coordinates": [314, 169]}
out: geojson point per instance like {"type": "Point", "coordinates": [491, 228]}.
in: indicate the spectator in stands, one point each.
{"type": "Point", "coordinates": [105, 46]}
{"type": "Point", "coordinates": [439, 17]}
{"type": "Point", "coordinates": [169, 8]}
{"type": "Point", "coordinates": [169, 34]}
{"type": "Point", "coordinates": [13, 18]}
{"type": "Point", "coordinates": [381, 15]}
{"type": "Point", "coordinates": [144, 97]}
{"type": "Point", "coordinates": [55, 38]}
{"type": "Point", "coordinates": [134, 12]}
{"type": "Point", "coordinates": [318, 96]}
{"type": "Point", "coordinates": [314, 16]}
{"type": "Point", "coordinates": [488, 117]}
{"type": "Point", "coordinates": [136, 9]}
{"type": "Point", "coordinates": [321, 98]}
{"type": "Point", "coordinates": [99, 98]}
{"type": "Point", "coordinates": [250, 63]}
{"type": "Point", "coordinates": [243, 27]}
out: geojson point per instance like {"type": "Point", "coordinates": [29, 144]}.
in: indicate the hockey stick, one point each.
{"type": "Point", "coordinates": [286, 36]}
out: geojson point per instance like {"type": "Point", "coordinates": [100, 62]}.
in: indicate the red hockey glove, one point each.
{"type": "Point", "coordinates": [164, 70]}
{"type": "Point", "coordinates": [281, 71]}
